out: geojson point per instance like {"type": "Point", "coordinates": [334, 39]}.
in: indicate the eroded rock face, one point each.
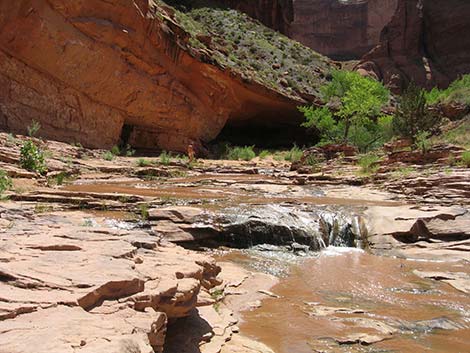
{"type": "Point", "coordinates": [339, 29]}
{"type": "Point", "coordinates": [422, 44]}
{"type": "Point", "coordinates": [93, 287]}
{"type": "Point", "coordinates": [101, 72]}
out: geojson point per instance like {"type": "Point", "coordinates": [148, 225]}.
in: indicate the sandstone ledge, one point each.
{"type": "Point", "coordinates": [95, 288]}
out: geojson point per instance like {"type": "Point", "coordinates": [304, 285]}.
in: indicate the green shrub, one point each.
{"type": "Point", "coordinates": [58, 179]}
{"type": "Point", "coordinates": [142, 162]}
{"type": "Point", "coordinates": [246, 46]}
{"type": "Point", "coordinates": [423, 142]}
{"type": "Point", "coordinates": [108, 156]}
{"type": "Point", "coordinates": [263, 154]}
{"type": "Point", "coordinates": [368, 163]}
{"type": "Point", "coordinates": [128, 151]}
{"type": "Point", "coordinates": [144, 211]}
{"type": "Point", "coordinates": [245, 153]}
{"type": "Point", "coordinates": [457, 135]}
{"type": "Point", "coordinates": [115, 150]}
{"type": "Point", "coordinates": [32, 158]}
{"type": "Point", "coordinates": [5, 182]}
{"type": "Point", "coordinates": [165, 158]}
{"type": "Point", "coordinates": [33, 128]}
{"type": "Point", "coordinates": [413, 116]}
{"type": "Point", "coordinates": [465, 159]}
{"type": "Point", "coordinates": [294, 154]}
{"type": "Point", "coordinates": [357, 103]}
{"type": "Point", "coordinates": [311, 160]}
{"type": "Point", "coordinates": [458, 91]}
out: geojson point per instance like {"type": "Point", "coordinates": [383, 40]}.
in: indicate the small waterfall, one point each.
{"type": "Point", "coordinates": [317, 228]}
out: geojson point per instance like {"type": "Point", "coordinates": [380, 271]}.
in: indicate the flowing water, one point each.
{"type": "Point", "coordinates": [342, 292]}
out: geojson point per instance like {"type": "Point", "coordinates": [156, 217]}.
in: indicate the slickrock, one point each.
{"type": "Point", "coordinates": [419, 232]}
{"type": "Point", "coordinates": [91, 286]}
{"type": "Point", "coordinates": [440, 188]}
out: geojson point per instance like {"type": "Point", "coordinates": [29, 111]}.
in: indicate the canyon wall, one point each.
{"type": "Point", "coordinates": [339, 29]}
{"type": "Point", "coordinates": [426, 42]}
{"type": "Point", "coordinates": [97, 72]}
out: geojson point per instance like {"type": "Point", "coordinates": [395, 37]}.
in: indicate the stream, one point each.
{"type": "Point", "coordinates": [334, 299]}
{"type": "Point", "coordinates": [343, 294]}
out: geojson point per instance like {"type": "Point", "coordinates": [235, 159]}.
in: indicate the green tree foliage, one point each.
{"type": "Point", "coordinates": [413, 116]}
{"type": "Point", "coordinates": [354, 103]}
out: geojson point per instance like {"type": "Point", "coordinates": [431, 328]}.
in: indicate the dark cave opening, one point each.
{"type": "Point", "coordinates": [268, 137]}
{"type": "Point", "coordinates": [125, 135]}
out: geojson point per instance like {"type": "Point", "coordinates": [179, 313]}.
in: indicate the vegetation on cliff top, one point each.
{"type": "Point", "coordinates": [258, 53]}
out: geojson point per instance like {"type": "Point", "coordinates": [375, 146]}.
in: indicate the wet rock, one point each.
{"type": "Point", "coordinates": [361, 338]}
{"type": "Point", "coordinates": [458, 280]}
{"type": "Point", "coordinates": [278, 225]}
{"type": "Point", "coordinates": [426, 326]}
{"type": "Point", "coordinates": [177, 214]}
{"type": "Point", "coordinates": [316, 309]}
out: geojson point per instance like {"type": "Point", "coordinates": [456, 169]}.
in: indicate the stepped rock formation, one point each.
{"type": "Point", "coordinates": [92, 288]}
{"type": "Point", "coordinates": [101, 72]}
{"type": "Point", "coordinates": [338, 29]}
{"type": "Point", "coordinates": [425, 42]}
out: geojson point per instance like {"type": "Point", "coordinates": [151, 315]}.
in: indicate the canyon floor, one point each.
{"type": "Point", "coordinates": [223, 256]}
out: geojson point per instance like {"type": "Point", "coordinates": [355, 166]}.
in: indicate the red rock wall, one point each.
{"type": "Point", "coordinates": [339, 29]}
{"type": "Point", "coordinates": [85, 68]}
{"type": "Point", "coordinates": [427, 41]}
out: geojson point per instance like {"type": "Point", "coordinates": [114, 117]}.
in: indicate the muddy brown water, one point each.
{"type": "Point", "coordinates": [221, 194]}
{"type": "Point", "coordinates": [379, 289]}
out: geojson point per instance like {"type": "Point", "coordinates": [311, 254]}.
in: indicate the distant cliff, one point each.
{"type": "Point", "coordinates": [339, 29]}
{"type": "Point", "coordinates": [427, 41]}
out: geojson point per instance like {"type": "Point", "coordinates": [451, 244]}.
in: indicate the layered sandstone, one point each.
{"type": "Point", "coordinates": [339, 29]}
{"type": "Point", "coordinates": [91, 286]}
{"type": "Point", "coordinates": [425, 42]}
{"type": "Point", "coordinates": [101, 72]}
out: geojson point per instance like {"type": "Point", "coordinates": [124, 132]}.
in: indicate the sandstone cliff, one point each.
{"type": "Point", "coordinates": [339, 29]}
{"type": "Point", "coordinates": [101, 72]}
{"type": "Point", "coordinates": [425, 42]}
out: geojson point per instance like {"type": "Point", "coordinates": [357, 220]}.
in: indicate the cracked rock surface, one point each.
{"type": "Point", "coordinates": [91, 288]}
